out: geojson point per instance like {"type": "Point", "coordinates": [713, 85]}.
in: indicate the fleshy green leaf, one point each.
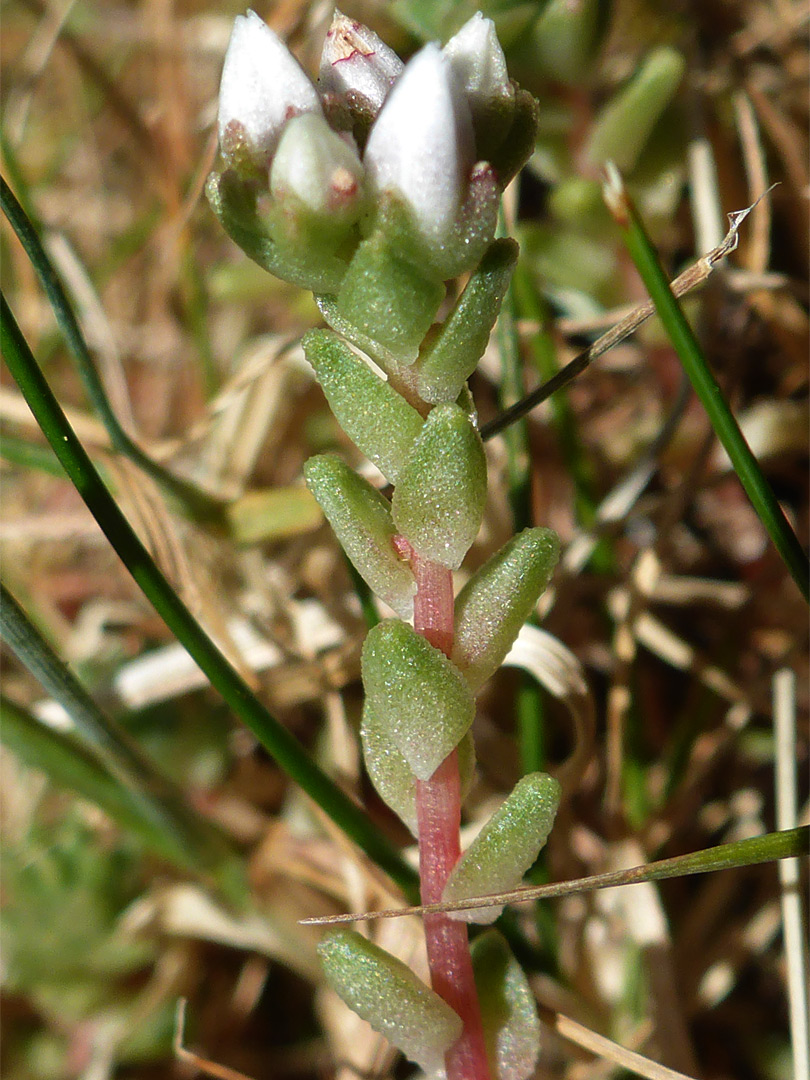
{"type": "Point", "coordinates": [508, 1010]}
{"type": "Point", "coordinates": [626, 122]}
{"type": "Point", "coordinates": [361, 518]}
{"type": "Point", "coordinates": [506, 847]}
{"type": "Point", "coordinates": [453, 355]}
{"type": "Point", "coordinates": [439, 499]}
{"type": "Point", "coordinates": [389, 298]}
{"type": "Point", "coordinates": [391, 774]}
{"type": "Point", "coordinates": [386, 993]}
{"type": "Point", "coordinates": [418, 696]}
{"type": "Point", "coordinates": [376, 418]}
{"type": "Point", "coordinates": [497, 601]}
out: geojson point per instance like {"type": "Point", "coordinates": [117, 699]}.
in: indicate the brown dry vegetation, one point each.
{"type": "Point", "coordinates": [680, 621]}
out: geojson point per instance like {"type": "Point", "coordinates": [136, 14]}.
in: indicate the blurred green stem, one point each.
{"type": "Point", "coordinates": [67, 763]}
{"type": "Point", "coordinates": [151, 798]}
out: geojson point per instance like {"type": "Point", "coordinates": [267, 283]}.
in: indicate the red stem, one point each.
{"type": "Point", "coordinates": [438, 808]}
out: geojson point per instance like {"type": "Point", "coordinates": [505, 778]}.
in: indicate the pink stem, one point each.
{"type": "Point", "coordinates": [438, 808]}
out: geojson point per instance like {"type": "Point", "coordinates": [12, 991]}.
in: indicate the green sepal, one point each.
{"type": "Point", "coordinates": [439, 499]}
{"type": "Point", "coordinates": [497, 601]}
{"type": "Point", "coordinates": [389, 298]}
{"type": "Point", "coordinates": [567, 37]}
{"type": "Point", "coordinates": [452, 356]}
{"type": "Point", "coordinates": [508, 1009]}
{"type": "Point", "coordinates": [377, 419]}
{"type": "Point", "coordinates": [387, 994]}
{"type": "Point", "coordinates": [391, 774]}
{"type": "Point", "coordinates": [474, 229]}
{"type": "Point", "coordinates": [308, 264]}
{"type": "Point", "coordinates": [625, 124]}
{"type": "Point", "coordinates": [361, 519]}
{"type": "Point", "coordinates": [420, 698]}
{"type": "Point", "coordinates": [517, 147]}
{"type": "Point", "coordinates": [506, 847]}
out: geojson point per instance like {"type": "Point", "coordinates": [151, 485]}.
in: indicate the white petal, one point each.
{"type": "Point", "coordinates": [355, 59]}
{"type": "Point", "coordinates": [262, 86]}
{"type": "Point", "coordinates": [421, 143]}
{"type": "Point", "coordinates": [477, 59]}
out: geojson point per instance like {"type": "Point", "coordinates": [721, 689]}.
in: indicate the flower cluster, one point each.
{"type": "Point", "coordinates": [379, 182]}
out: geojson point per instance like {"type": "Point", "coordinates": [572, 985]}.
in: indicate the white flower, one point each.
{"type": "Point", "coordinates": [421, 144]}
{"type": "Point", "coordinates": [356, 61]}
{"type": "Point", "coordinates": [318, 168]}
{"type": "Point", "coordinates": [262, 87]}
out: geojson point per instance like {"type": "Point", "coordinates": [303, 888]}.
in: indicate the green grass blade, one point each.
{"type": "Point", "coordinates": [691, 356]}
{"type": "Point", "coordinates": [201, 506]}
{"type": "Point", "coordinates": [30, 455]}
{"type": "Point", "coordinates": [787, 844]}
{"type": "Point", "coordinates": [152, 799]}
{"type": "Point", "coordinates": [278, 742]}
{"type": "Point", "coordinates": [68, 764]}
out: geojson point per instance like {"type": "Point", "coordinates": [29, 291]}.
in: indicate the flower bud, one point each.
{"type": "Point", "coordinates": [262, 87]}
{"type": "Point", "coordinates": [315, 169]}
{"type": "Point", "coordinates": [478, 63]}
{"type": "Point", "coordinates": [356, 63]}
{"type": "Point", "coordinates": [421, 147]}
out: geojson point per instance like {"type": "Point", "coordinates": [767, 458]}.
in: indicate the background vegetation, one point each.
{"type": "Point", "coordinates": [670, 595]}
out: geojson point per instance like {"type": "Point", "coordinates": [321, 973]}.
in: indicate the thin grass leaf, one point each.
{"type": "Point", "coordinates": [201, 506]}
{"type": "Point", "coordinates": [30, 455]}
{"type": "Point", "coordinates": [771, 847]}
{"type": "Point", "coordinates": [684, 283]}
{"type": "Point", "coordinates": [691, 356]}
{"type": "Point", "coordinates": [275, 738]}
{"type": "Point", "coordinates": [68, 764]}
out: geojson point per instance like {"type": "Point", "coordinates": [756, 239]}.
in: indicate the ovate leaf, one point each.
{"type": "Point", "coordinates": [506, 847]}
{"type": "Point", "coordinates": [421, 700]}
{"type": "Point", "coordinates": [439, 499]}
{"type": "Point", "coordinates": [361, 518]}
{"type": "Point", "coordinates": [386, 993]}
{"type": "Point", "coordinates": [497, 601]}
{"type": "Point", "coordinates": [376, 418]}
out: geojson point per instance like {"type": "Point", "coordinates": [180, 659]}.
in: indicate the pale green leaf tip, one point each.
{"type": "Point", "coordinates": [393, 777]}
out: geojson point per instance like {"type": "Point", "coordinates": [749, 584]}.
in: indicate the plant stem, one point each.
{"type": "Point", "coordinates": [438, 808]}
